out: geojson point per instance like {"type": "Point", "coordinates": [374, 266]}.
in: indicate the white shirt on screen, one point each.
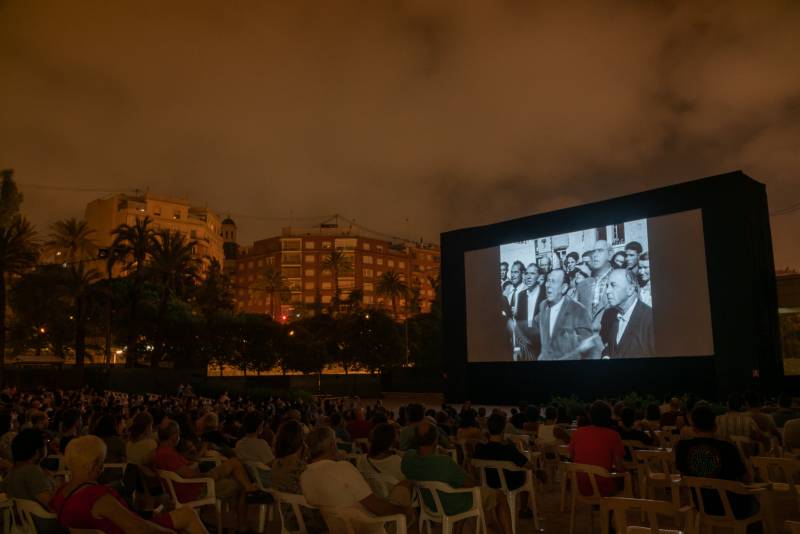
{"type": "Point", "coordinates": [513, 296]}
{"type": "Point", "coordinates": [623, 320]}
{"type": "Point", "coordinates": [533, 296]}
{"type": "Point", "coordinates": [554, 310]}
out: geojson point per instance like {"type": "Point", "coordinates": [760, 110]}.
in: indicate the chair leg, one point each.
{"type": "Point", "coordinates": [572, 516]}
{"type": "Point", "coordinates": [262, 516]}
{"type": "Point", "coordinates": [563, 493]}
{"type": "Point", "coordinates": [534, 505]}
{"type": "Point", "coordinates": [512, 507]}
{"type": "Point", "coordinates": [218, 507]}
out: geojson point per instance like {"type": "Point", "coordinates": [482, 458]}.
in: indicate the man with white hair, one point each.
{"type": "Point", "coordinates": [626, 328]}
{"type": "Point", "coordinates": [82, 503]}
{"type": "Point", "coordinates": [328, 483]}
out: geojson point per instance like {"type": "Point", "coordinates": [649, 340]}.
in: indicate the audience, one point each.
{"type": "Point", "coordinates": [737, 422]}
{"type": "Point", "coordinates": [82, 503]}
{"type": "Point", "coordinates": [784, 413]}
{"type": "Point", "coordinates": [331, 484]}
{"type": "Point", "coordinates": [627, 429]}
{"type": "Point", "coordinates": [382, 459]}
{"type": "Point", "coordinates": [598, 444]}
{"type": "Point", "coordinates": [141, 445]}
{"type": "Point", "coordinates": [709, 457]}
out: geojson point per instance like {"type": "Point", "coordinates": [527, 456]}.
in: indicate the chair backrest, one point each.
{"type": "Point", "coordinates": [453, 453]}
{"type": "Point", "coordinates": [254, 470]}
{"type": "Point", "coordinates": [654, 461]}
{"type": "Point", "coordinates": [468, 447]}
{"type": "Point", "coordinates": [696, 486]}
{"type": "Point", "coordinates": [652, 509]}
{"type": "Point", "coordinates": [434, 488]}
{"type": "Point", "coordinates": [27, 510]}
{"type": "Point", "coordinates": [791, 434]}
{"type": "Point", "coordinates": [296, 502]}
{"type": "Point", "coordinates": [355, 520]}
{"type": "Point", "coordinates": [794, 527]}
{"type": "Point", "coordinates": [591, 472]}
{"type": "Point", "coordinates": [782, 470]}
{"type": "Point", "coordinates": [500, 468]}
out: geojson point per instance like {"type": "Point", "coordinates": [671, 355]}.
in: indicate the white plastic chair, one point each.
{"type": "Point", "coordinates": [264, 510]}
{"type": "Point", "coordinates": [27, 510]}
{"type": "Point", "coordinates": [210, 499]}
{"type": "Point", "coordinates": [794, 527]}
{"type": "Point", "coordinates": [297, 503]}
{"type": "Point", "coordinates": [620, 506]}
{"type": "Point", "coordinates": [696, 485]}
{"type": "Point", "coordinates": [436, 514]}
{"type": "Point", "coordinates": [510, 494]}
{"type": "Point", "coordinates": [6, 512]}
{"type": "Point", "coordinates": [654, 469]}
{"type": "Point", "coordinates": [596, 498]}
{"type": "Point", "coordinates": [780, 473]}
{"type": "Point", "coordinates": [354, 520]}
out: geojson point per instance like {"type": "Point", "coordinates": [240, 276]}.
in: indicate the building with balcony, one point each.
{"type": "Point", "coordinates": [299, 253]}
{"type": "Point", "coordinates": [197, 223]}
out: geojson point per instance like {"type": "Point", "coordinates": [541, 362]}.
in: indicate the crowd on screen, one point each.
{"type": "Point", "coordinates": [597, 305]}
{"type": "Point", "coordinates": [338, 453]}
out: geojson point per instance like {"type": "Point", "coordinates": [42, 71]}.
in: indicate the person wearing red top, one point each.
{"type": "Point", "coordinates": [231, 482]}
{"type": "Point", "coordinates": [82, 503]}
{"type": "Point", "coordinates": [598, 444]}
{"type": "Point", "coordinates": [359, 428]}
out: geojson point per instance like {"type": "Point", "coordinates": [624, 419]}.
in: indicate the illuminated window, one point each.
{"type": "Point", "coordinates": [390, 263]}
{"type": "Point", "coordinates": [368, 299]}
{"type": "Point", "coordinates": [368, 286]}
{"type": "Point", "coordinates": [309, 285]}
{"type": "Point", "coordinates": [290, 244]}
{"type": "Point", "coordinates": [326, 285]}
{"type": "Point", "coordinates": [308, 299]}
{"type": "Point", "coordinates": [291, 272]}
{"type": "Point", "coordinates": [401, 264]}
{"type": "Point", "coordinates": [367, 259]}
{"type": "Point", "coordinates": [379, 261]}
{"type": "Point", "coordinates": [157, 211]}
{"type": "Point", "coordinates": [366, 246]}
{"type": "Point", "coordinates": [326, 299]}
{"type": "Point", "coordinates": [368, 273]}
{"type": "Point", "coordinates": [310, 258]}
{"type": "Point", "coordinates": [310, 244]}
{"type": "Point", "coordinates": [309, 272]}
{"type": "Point", "coordinates": [326, 244]}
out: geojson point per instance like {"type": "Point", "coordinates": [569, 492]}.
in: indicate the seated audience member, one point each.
{"type": "Point", "coordinates": [550, 431]}
{"type": "Point", "coordinates": [288, 466]}
{"type": "Point", "coordinates": [598, 444]}
{"type": "Point", "coordinates": [231, 482]}
{"type": "Point", "coordinates": [70, 428]}
{"type": "Point", "coordinates": [82, 503]}
{"type": "Point", "coordinates": [482, 419]}
{"type": "Point", "coordinates": [7, 435]}
{"type": "Point", "coordinates": [425, 464]}
{"type": "Point", "coordinates": [518, 417]}
{"type": "Point", "coordinates": [468, 428]}
{"type": "Point", "coordinates": [784, 413]}
{"type": "Point", "coordinates": [331, 484]}
{"type": "Point", "coordinates": [627, 428]}
{"type": "Point", "coordinates": [673, 412]}
{"type": "Point", "coordinates": [337, 424]}
{"type": "Point", "coordinates": [737, 422]}
{"type": "Point", "coordinates": [382, 459]}
{"type": "Point", "coordinates": [108, 429]}
{"type": "Point", "coordinates": [531, 423]}
{"type": "Point", "coordinates": [26, 480]}
{"type": "Point", "coordinates": [498, 449]}
{"type": "Point", "coordinates": [708, 457]}
{"type": "Point", "coordinates": [359, 427]}
{"type": "Point", "coordinates": [408, 435]}
{"type": "Point", "coordinates": [764, 421]}
{"type": "Point", "coordinates": [141, 445]}
{"type": "Point", "coordinates": [213, 438]}
{"type": "Point", "coordinates": [652, 418]}
{"type": "Point", "coordinates": [251, 448]}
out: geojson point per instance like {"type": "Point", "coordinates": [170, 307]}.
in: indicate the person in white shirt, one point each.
{"type": "Point", "coordinates": [381, 467]}
{"type": "Point", "coordinates": [330, 484]}
{"type": "Point", "coordinates": [252, 448]}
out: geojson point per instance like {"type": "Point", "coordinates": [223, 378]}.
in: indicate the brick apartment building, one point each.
{"type": "Point", "coordinates": [298, 253]}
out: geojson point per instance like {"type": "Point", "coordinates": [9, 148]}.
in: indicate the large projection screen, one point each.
{"type": "Point", "coordinates": [632, 289]}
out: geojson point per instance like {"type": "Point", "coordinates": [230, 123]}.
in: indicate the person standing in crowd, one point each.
{"type": "Point", "coordinates": [592, 291]}
{"type": "Point", "coordinates": [545, 264]}
{"type": "Point", "coordinates": [645, 294]}
{"type": "Point", "coordinates": [503, 275]}
{"type": "Point", "coordinates": [564, 325]}
{"type": "Point", "coordinates": [618, 260]}
{"type": "Point", "coordinates": [527, 310]}
{"type": "Point", "coordinates": [570, 262]}
{"type": "Point", "coordinates": [626, 328]}
{"type": "Point", "coordinates": [513, 290]}
{"type": "Point", "coordinates": [632, 252]}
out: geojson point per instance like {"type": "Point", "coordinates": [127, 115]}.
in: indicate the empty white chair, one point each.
{"type": "Point", "coordinates": [297, 502]}
{"type": "Point", "coordinates": [27, 510]}
{"type": "Point", "coordinates": [433, 511]}
{"type": "Point", "coordinates": [652, 510]}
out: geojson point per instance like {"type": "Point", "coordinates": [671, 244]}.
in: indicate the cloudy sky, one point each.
{"type": "Point", "coordinates": [412, 117]}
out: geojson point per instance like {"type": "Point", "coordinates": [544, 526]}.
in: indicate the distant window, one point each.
{"type": "Point", "coordinates": [368, 273]}
{"type": "Point", "coordinates": [390, 263]}
{"type": "Point", "coordinates": [308, 299]}
{"type": "Point", "coordinates": [157, 211]}
{"type": "Point", "coordinates": [309, 285]}
{"type": "Point", "coordinates": [326, 299]}
{"type": "Point", "coordinates": [310, 258]}
{"type": "Point", "coordinates": [310, 272]}
{"type": "Point", "coordinates": [367, 259]}
{"type": "Point", "coordinates": [326, 244]}
{"type": "Point", "coordinates": [401, 264]}
{"type": "Point", "coordinates": [326, 285]}
{"type": "Point", "coordinates": [366, 246]}
{"type": "Point", "coordinates": [368, 299]}
{"type": "Point", "coordinates": [310, 244]}
{"type": "Point", "coordinates": [379, 261]}
{"type": "Point", "coordinates": [368, 286]}
{"type": "Point", "coordinates": [176, 214]}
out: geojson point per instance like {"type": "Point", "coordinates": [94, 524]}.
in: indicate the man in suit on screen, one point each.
{"type": "Point", "coordinates": [626, 328]}
{"type": "Point", "coordinates": [592, 291]}
{"type": "Point", "coordinates": [564, 325]}
{"type": "Point", "coordinates": [527, 311]}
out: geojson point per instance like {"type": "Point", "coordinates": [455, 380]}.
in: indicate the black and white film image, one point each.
{"type": "Point", "coordinates": [579, 296]}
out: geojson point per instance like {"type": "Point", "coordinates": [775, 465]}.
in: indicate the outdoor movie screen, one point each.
{"type": "Point", "coordinates": [634, 289]}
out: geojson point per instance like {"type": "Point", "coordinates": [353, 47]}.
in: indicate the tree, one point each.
{"type": "Point", "coordinates": [80, 280]}
{"type": "Point", "coordinates": [214, 293]}
{"type": "Point", "coordinates": [272, 282]}
{"type": "Point", "coordinates": [18, 248]}
{"type": "Point", "coordinates": [175, 270]}
{"type": "Point", "coordinates": [72, 238]}
{"type": "Point", "coordinates": [391, 286]}
{"type": "Point", "coordinates": [135, 244]}
{"type": "Point", "coordinates": [338, 263]}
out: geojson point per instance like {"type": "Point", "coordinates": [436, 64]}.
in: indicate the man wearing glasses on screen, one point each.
{"type": "Point", "coordinates": [626, 328]}
{"type": "Point", "coordinates": [563, 324]}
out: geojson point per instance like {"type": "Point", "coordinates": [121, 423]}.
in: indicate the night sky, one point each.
{"type": "Point", "coordinates": [412, 117]}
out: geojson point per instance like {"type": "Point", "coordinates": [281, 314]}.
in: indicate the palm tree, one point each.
{"type": "Point", "coordinates": [134, 243]}
{"type": "Point", "coordinates": [80, 281]}
{"type": "Point", "coordinates": [272, 282]}
{"type": "Point", "coordinates": [390, 285]}
{"type": "Point", "coordinates": [73, 237]}
{"type": "Point", "coordinates": [175, 269]}
{"type": "Point", "coordinates": [18, 252]}
{"type": "Point", "coordinates": [338, 264]}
